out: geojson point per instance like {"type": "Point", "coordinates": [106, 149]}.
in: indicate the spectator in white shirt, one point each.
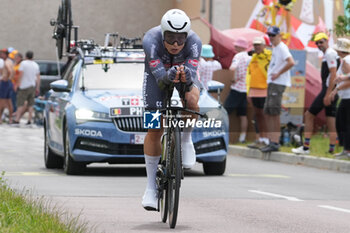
{"type": "Point", "coordinates": [207, 65]}
{"type": "Point", "coordinates": [237, 98]}
{"type": "Point", "coordinates": [343, 90]}
{"type": "Point", "coordinates": [278, 78]}
{"type": "Point", "coordinates": [29, 86]}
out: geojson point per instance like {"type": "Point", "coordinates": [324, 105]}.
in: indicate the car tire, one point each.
{"type": "Point", "coordinates": [70, 166]}
{"type": "Point", "coordinates": [51, 159]}
{"type": "Point", "coordinates": [214, 168]}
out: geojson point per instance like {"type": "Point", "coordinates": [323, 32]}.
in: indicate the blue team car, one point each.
{"type": "Point", "coordinates": [94, 114]}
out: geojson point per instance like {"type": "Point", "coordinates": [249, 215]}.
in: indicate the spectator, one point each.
{"type": "Point", "coordinates": [6, 85]}
{"type": "Point", "coordinates": [17, 59]}
{"type": "Point", "coordinates": [328, 73]}
{"type": "Point", "coordinates": [278, 78]}
{"type": "Point", "coordinates": [207, 65]}
{"type": "Point", "coordinates": [257, 88]}
{"type": "Point", "coordinates": [343, 90]}
{"type": "Point", "coordinates": [29, 86]}
{"type": "Point", "coordinates": [237, 98]}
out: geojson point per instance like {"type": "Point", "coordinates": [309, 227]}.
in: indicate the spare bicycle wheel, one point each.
{"type": "Point", "coordinates": [68, 23]}
{"type": "Point", "coordinates": [58, 32]}
{"type": "Point", "coordinates": [63, 27]}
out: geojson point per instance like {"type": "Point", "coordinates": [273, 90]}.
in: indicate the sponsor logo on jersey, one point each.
{"type": "Point", "coordinates": [154, 63]}
{"type": "Point", "coordinates": [193, 62]}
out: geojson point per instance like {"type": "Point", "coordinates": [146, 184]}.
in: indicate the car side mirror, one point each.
{"type": "Point", "coordinates": [60, 86]}
{"type": "Point", "coordinates": [215, 87]}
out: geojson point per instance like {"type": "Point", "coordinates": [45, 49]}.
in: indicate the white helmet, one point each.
{"type": "Point", "coordinates": [175, 20]}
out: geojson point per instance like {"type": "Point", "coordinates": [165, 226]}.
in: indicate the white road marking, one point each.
{"type": "Point", "coordinates": [260, 175]}
{"type": "Point", "coordinates": [275, 195]}
{"type": "Point", "coordinates": [334, 208]}
{"type": "Point", "coordinates": [32, 174]}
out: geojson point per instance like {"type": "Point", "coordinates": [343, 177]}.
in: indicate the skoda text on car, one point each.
{"type": "Point", "coordinates": [94, 114]}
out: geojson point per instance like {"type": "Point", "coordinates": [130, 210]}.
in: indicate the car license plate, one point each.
{"type": "Point", "coordinates": [138, 138]}
{"type": "Point", "coordinates": [126, 112]}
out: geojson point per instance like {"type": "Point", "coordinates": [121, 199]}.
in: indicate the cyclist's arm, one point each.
{"type": "Point", "coordinates": [193, 47]}
{"type": "Point", "coordinates": [152, 60]}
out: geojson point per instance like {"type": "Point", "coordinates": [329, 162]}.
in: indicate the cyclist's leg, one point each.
{"type": "Point", "coordinates": [189, 154]}
{"type": "Point", "coordinates": [153, 97]}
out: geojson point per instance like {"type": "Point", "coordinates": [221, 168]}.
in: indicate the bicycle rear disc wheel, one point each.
{"type": "Point", "coordinates": [175, 173]}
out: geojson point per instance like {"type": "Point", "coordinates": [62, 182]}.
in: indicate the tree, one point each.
{"type": "Point", "coordinates": [342, 25]}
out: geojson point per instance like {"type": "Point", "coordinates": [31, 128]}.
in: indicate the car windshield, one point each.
{"type": "Point", "coordinates": [118, 76]}
{"type": "Point", "coordinates": [49, 68]}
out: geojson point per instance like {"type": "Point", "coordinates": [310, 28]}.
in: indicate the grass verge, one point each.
{"type": "Point", "coordinates": [22, 212]}
{"type": "Point", "coordinates": [319, 146]}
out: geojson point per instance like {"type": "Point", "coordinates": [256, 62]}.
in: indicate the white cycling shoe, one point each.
{"type": "Point", "coordinates": [188, 155]}
{"type": "Point", "coordinates": [150, 200]}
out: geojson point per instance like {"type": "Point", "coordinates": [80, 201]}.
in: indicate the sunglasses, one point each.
{"type": "Point", "coordinates": [319, 42]}
{"type": "Point", "coordinates": [172, 37]}
{"type": "Point", "coordinates": [271, 35]}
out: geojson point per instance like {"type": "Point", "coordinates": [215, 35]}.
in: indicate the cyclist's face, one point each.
{"type": "Point", "coordinates": [174, 42]}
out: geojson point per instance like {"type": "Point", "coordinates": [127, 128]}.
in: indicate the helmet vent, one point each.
{"type": "Point", "coordinates": [175, 28]}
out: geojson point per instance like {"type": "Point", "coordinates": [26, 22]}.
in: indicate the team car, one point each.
{"type": "Point", "coordinates": [95, 113]}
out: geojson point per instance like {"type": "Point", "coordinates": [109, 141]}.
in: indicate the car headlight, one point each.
{"type": "Point", "coordinates": [216, 114]}
{"type": "Point", "coordinates": [82, 115]}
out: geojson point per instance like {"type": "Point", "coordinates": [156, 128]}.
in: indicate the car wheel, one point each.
{"type": "Point", "coordinates": [51, 159]}
{"type": "Point", "coordinates": [70, 166]}
{"type": "Point", "coordinates": [214, 168]}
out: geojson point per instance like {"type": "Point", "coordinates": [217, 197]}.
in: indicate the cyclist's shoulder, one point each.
{"type": "Point", "coordinates": [193, 38]}
{"type": "Point", "coordinates": [153, 33]}
{"type": "Point", "coordinates": [152, 37]}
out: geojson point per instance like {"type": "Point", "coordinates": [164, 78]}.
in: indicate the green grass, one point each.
{"type": "Point", "coordinates": [319, 146]}
{"type": "Point", "coordinates": [22, 213]}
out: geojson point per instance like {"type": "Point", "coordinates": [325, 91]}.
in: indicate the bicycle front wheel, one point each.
{"type": "Point", "coordinates": [175, 173]}
{"type": "Point", "coordinates": [162, 182]}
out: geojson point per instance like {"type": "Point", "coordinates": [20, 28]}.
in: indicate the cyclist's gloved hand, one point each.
{"type": "Point", "coordinates": [188, 76]}
{"type": "Point", "coordinates": [171, 73]}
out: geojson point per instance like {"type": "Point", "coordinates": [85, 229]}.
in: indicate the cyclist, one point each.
{"type": "Point", "coordinates": [172, 51]}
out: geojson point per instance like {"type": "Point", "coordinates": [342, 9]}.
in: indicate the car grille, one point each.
{"type": "Point", "coordinates": [106, 147]}
{"type": "Point", "coordinates": [130, 124]}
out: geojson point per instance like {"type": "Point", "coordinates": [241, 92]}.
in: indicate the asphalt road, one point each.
{"type": "Point", "coordinates": [253, 195]}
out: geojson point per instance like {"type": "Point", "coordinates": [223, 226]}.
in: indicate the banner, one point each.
{"type": "Point", "coordinates": [307, 11]}
{"type": "Point", "coordinates": [294, 96]}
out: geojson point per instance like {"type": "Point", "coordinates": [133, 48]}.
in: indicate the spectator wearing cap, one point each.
{"type": "Point", "coordinates": [278, 78]}
{"type": "Point", "coordinates": [257, 88]}
{"type": "Point", "coordinates": [343, 90]}
{"type": "Point", "coordinates": [330, 62]}
{"type": "Point", "coordinates": [237, 98]}
{"type": "Point", "coordinates": [207, 65]}
{"type": "Point", "coordinates": [6, 87]}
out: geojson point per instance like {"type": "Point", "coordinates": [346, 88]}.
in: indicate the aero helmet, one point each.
{"type": "Point", "coordinates": [175, 20]}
